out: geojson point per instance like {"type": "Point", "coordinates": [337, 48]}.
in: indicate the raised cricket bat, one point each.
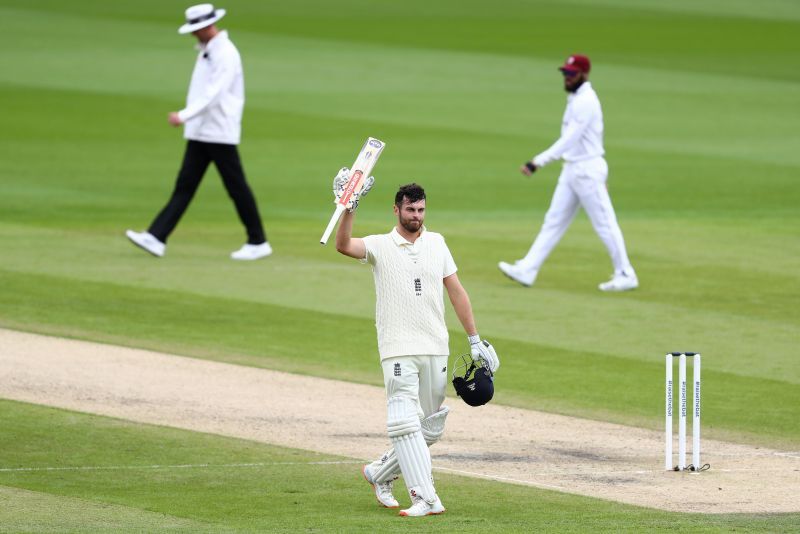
{"type": "Point", "coordinates": [359, 172]}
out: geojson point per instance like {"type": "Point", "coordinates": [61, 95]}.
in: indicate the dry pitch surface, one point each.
{"type": "Point", "coordinates": [510, 445]}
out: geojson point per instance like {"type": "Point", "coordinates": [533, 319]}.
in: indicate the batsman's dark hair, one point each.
{"type": "Point", "coordinates": [413, 192]}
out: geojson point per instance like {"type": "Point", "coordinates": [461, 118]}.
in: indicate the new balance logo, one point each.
{"type": "Point", "coordinates": [418, 286]}
{"type": "Point", "coordinates": [397, 369]}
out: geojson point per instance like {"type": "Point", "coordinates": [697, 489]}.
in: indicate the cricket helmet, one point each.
{"type": "Point", "coordinates": [472, 381]}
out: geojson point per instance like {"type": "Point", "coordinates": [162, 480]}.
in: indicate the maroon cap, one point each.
{"type": "Point", "coordinates": [576, 63]}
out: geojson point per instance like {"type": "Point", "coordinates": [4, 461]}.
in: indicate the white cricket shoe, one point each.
{"type": "Point", "coordinates": [383, 490]}
{"type": "Point", "coordinates": [148, 242]}
{"type": "Point", "coordinates": [252, 252]}
{"type": "Point", "coordinates": [519, 274]}
{"type": "Point", "coordinates": [420, 508]}
{"type": "Point", "coordinates": [620, 282]}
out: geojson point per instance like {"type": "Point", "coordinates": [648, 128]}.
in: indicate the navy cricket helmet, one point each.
{"type": "Point", "coordinates": [472, 381]}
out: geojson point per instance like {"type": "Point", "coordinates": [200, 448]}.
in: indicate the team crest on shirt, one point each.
{"type": "Point", "coordinates": [418, 287]}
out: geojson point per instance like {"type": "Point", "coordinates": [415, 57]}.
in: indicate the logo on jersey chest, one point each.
{"type": "Point", "coordinates": [418, 287]}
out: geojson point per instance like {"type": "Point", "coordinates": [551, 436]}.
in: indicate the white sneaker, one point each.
{"type": "Point", "coordinates": [383, 490]}
{"type": "Point", "coordinates": [519, 274]}
{"type": "Point", "coordinates": [252, 252]}
{"type": "Point", "coordinates": [620, 282]}
{"type": "Point", "coordinates": [420, 508]}
{"type": "Point", "coordinates": [147, 241]}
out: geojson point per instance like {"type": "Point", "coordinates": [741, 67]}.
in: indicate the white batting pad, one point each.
{"type": "Point", "coordinates": [402, 418]}
{"type": "Point", "coordinates": [410, 447]}
{"type": "Point", "coordinates": [387, 468]}
{"type": "Point", "coordinates": [433, 425]}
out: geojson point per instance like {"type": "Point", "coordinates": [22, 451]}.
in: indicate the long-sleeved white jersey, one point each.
{"type": "Point", "coordinates": [581, 129]}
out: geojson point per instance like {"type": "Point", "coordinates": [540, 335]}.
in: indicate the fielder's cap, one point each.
{"type": "Point", "coordinates": [576, 63]}
{"type": "Point", "coordinates": [200, 16]}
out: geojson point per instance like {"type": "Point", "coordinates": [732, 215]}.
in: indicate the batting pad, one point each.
{"type": "Point", "coordinates": [402, 417]}
{"type": "Point", "coordinates": [387, 468]}
{"type": "Point", "coordinates": [410, 448]}
{"type": "Point", "coordinates": [433, 425]}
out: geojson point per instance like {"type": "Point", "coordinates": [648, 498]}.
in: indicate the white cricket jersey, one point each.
{"type": "Point", "coordinates": [409, 292]}
{"type": "Point", "coordinates": [214, 104]}
{"type": "Point", "coordinates": [581, 129]}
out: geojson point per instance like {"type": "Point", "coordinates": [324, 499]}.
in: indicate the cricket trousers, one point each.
{"type": "Point", "coordinates": [581, 183]}
{"type": "Point", "coordinates": [420, 378]}
{"type": "Point", "coordinates": [196, 159]}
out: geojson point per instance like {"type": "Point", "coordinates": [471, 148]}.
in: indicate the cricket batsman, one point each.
{"type": "Point", "coordinates": [411, 267]}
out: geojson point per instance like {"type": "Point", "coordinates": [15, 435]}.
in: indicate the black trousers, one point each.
{"type": "Point", "coordinates": [197, 158]}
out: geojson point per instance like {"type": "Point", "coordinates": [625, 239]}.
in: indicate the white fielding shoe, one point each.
{"type": "Point", "coordinates": [620, 282]}
{"type": "Point", "coordinates": [148, 242]}
{"type": "Point", "coordinates": [383, 491]}
{"type": "Point", "coordinates": [252, 252]}
{"type": "Point", "coordinates": [523, 276]}
{"type": "Point", "coordinates": [420, 508]}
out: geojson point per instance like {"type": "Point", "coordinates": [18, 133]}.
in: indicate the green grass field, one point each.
{"type": "Point", "coordinates": [701, 104]}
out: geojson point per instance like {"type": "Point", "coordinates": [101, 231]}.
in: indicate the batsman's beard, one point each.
{"type": "Point", "coordinates": [411, 225]}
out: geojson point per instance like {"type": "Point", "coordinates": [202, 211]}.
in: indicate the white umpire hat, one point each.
{"type": "Point", "coordinates": [200, 16]}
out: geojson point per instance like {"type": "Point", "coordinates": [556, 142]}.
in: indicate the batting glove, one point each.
{"type": "Point", "coordinates": [483, 351]}
{"type": "Point", "coordinates": [340, 182]}
{"type": "Point", "coordinates": [368, 183]}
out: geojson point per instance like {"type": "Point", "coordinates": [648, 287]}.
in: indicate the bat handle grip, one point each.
{"type": "Point", "coordinates": [334, 219]}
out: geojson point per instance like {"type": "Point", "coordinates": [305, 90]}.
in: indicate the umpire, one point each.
{"type": "Point", "coordinates": [212, 123]}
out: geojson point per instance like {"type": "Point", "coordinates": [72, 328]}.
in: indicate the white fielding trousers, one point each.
{"type": "Point", "coordinates": [581, 183]}
{"type": "Point", "coordinates": [420, 378]}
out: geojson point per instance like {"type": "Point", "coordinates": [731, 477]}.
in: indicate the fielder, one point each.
{"type": "Point", "coordinates": [582, 183]}
{"type": "Point", "coordinates": [411, 266]}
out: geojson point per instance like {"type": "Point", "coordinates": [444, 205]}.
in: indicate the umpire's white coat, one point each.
{"type": "Point", "coordinates": [214, 104]}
